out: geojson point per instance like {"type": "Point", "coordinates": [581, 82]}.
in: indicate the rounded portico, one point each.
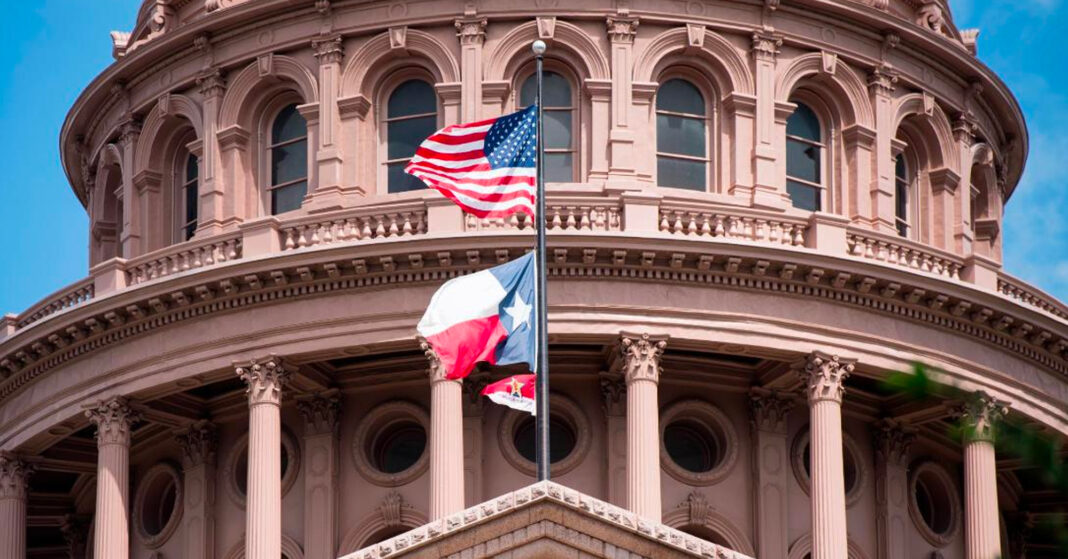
{"type": "Point", "coordinates": [757, 213]}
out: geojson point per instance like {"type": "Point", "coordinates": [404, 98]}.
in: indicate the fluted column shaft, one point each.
{"type": "Point", "coordinates": [14, 473]}
{"type": "Point", "coordinates": [641, 368]}
{"type": "Point", "coordinates": [263, 510]}
{"type": "Point", "coordinates": [824, 375]}
{"type": "Point", "coordinates": [113, 419]}
{"type": "Point", "coordinates": [982, 538]}
{"type": "Point", "coordinates": [446, 440]}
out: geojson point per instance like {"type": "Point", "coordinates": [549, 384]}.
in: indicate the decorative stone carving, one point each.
{"type": "Point", "coordinates": [640, 356]}
{"type": "Point", "coordinates": [979, 415]}
{"type": "Point", "coordinates": [766, 45]}
{"type": "Point", "coordinates": [698, 507]}
{"type": "Point", "coordinates": [613, 391]}
{"type": "Point", "coordinates": [265, 379]}
{"type": "Point", "coordinates": [546, 28]}
{"type": "Point", "coordinates": [14, 476]}
{"type": "Point", "coordinates": [471, 30]}
{"type": "Point", "coordinates": [930, 16]}
{"type": "Point", "coordinates": [770, 409]}
{"type": "Point", "coordinates": [129, 132]}
{"type": "Point", "coordinates": [435, 368]}
{"type": "Point", "coordinates": [893, 441]}
{"type": "Point", "coordinates": [472, 386]}
{"type": "Point", "coordinates": [113, 419]}
{"type": "Point", "coordinates": [391, 508]}
{"type": "Point", "coordinates": [211, 83]}
{"type": "Point", "coordinates": [198, 442]}
{"type": "Point", "coordinates": [824, 376]}
{"type": "Point", "coordinates": [398, 37]}
{"type": "Point", "coordinates": [622, 29]}
{"type": "Point", "coordinates": [328, 50]}
{"type": "Point", "coordinates": [882, 80]}
{"type": "Point", "coordinates": [320, 411]}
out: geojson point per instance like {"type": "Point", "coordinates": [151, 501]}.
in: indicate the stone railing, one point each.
{"type": "Point", "coordinates": [1021, 292]}
{"type": "Point", "coordinates": [903, 252]}
{"type": "Point", "coordinates": [69, 296]}
{"type": "Point", "coordinates": [561, 214]}
{"type": "Point", "coordinates": [732, 223]}
{"type": "Point", "coordinates": [398, 220]}
{"type": "Point", "coordinates": [183, 257]}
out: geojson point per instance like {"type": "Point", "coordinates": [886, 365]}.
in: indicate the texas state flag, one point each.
{"type": "Point", "coordinates": [485, 316]}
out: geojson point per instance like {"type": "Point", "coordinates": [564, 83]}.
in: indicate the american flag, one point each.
{"type": "Point", "coordinates": [486, 167]}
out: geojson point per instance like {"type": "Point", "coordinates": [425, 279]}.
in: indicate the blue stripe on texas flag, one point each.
{"type": "Point", "coordinates": [517, 313]}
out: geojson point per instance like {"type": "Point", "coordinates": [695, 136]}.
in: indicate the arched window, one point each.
{"type": "Point", "coordinates": [411, 116]}
{"type": "Point", "coordinates": [558, 108]}
{"type": "Point", "coordinates": [186, 202]}
{"type": "Point", "coordinates": [804, 159]}
{"type": "Point", "coordinates": [681, 136]}
{"type": "Point", "coordinates": [902, 191]}
{"type": "Point", "coordinates": [288, 147]}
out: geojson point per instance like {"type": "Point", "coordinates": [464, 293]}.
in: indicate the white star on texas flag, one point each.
{"type": "Point", "coordinates": [519, 311]}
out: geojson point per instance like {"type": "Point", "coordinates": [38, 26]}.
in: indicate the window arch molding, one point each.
{"type": "Point", "coordinates": [568, 43]}
{"type": "Point", "coordinates": [697, 511]}
{"type": "Point", "coordinates": [580, 110]}
{"type": "Point", "coordinates": [171, 111]}
{"type": "Point", "coordinates": [835, 80]}
{"type": "Point", "coordinates": [393, 513]}
{"type": "Point", "coordinates": [375, 59]}
{"type": "Point", "coordinates": [932, 124]}
{"type": "Point", "coordinates": [380, 108]}
{"type": "Point", "coordinates": [716, 145]}
{"type": "Point", "coordinates": [832, 197]}
{"type": "Point", "coordinates": [260, 79]}
{"type": "Point", "coordinates": [106, 213]}
{"type": "Point", "coordinates": [715, 56]}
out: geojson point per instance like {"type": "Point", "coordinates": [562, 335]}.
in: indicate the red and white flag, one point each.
{"type": "Point", "coordinates": [516, 392]}
{"type": "Point", "coordinates": [486, 167]}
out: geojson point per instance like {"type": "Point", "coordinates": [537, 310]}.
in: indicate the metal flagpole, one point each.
{"type": "Point", "coordinates": [541, 372]}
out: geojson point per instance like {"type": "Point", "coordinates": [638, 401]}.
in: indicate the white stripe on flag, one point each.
{"type": "Point", "coordinates": [515, 402]}
{"type": "Point", "coordinates": [461, 299]}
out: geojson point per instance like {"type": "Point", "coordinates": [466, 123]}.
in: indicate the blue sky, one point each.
{"type": "Point", "coordinates": [53, 48]}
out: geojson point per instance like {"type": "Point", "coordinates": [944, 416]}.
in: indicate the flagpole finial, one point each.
{"type": "Point", "coordinates": [538, 47]}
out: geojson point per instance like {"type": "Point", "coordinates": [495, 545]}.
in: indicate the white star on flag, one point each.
{"type": "Point", "coordinates": [519, 311]}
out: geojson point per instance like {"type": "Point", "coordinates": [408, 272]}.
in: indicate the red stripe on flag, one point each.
{"type": "Point", "coordinates": [462, 345]}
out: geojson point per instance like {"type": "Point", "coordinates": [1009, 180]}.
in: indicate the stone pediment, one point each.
{"type": "Point", "coordinates": [544, 520]}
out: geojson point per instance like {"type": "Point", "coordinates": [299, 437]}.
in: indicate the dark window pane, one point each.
{"type": "Point", "coordinates": [191, 168]}
{"type": "Point", "coordinates": [803, 161]}
{"type": "Point", "coordinates": [413, 97]}
{"type": "Point", "coordinates": [901, 201]}
{"type": "Point", "coordinates": [804, 123]}
{"type": "Point", "coordinates": [803, 196]}
{"type": "Point", "coordinates": [554, 87]}
{"type": "Point", "coordinates": [399, 181]}
{"type": "Point", "coordinates": [288, 198]}
{"type": "Point", "coordinates": [691, 446]}
{"type": "Point", "coordinates": [400, 448]}
{"type": "Point", "coordinates": [900, 171]}
{"type": "Point", "coordinates": [561, 440]}
{"type": "Point", "coordinates": [557, 129]}
{"type": "Point", "coordinates": [676, 134]}
{"type": "Point", "coordinates": [681, 173]}
{"type": "Point", "coordinates": [289, 162]}
{"type": "Point", "coordinates": [406, 135]}
{"type": "Point", "coordinates": [188, 231]}
{"type": "Point", "coordinates": [288, 125]}
{"type": "Point", "coordinates": [680, 96]}
{"type": "Point", "coordinates": [191, 202]}
{"type": "Point", "coordinates": [558, 167]}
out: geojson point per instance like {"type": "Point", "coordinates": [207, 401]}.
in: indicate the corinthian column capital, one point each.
{"type": "Point", "coordinates": [320, 411]}
{"type": "Point", "coordinates": [113, 419]}
{"type": "Point", "coordinates": [14, 476]}
{"type": "Point", "coordinates": [979, 415]}
{"type": "Point", "coordinates": [824, 376]}
{"type": "Point", "coordinates": [640, 356]}
{"type": "Point", "coordinates": [893, 441]}
{"type": "Point", "coordinates": [198, 443]}
{"type": "Point", "coordinates": [770, 409]}
{"type": "Point", "coordinates": [435, 368]}
{"type": "Point", "coordinates": [265, 379]}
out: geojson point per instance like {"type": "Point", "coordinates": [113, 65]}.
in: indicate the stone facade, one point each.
{"type": "Point", "coordinates": [717, 353]}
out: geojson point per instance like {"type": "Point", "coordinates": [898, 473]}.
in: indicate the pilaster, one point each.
{"type": "Point", "coordinates": [964, 129]}
{"type": "Point", "coordinates": [770, 470]}
{"type": "Point", "coordinates": [769, 190]}
{"type": "Point", "coordinates": [471, 31]}
{"type": "Point", "coordinates": [474, 406]}
{"type": "Point", "coordinates": [14, 478]}
{"type": "Point", "coordinates": [881, 87]}
{"type": "Point", "coordinates": [113, 419]}
{"type": "Point", "coordinates": [130, 235]}
{"type": "Point", "coordinates": [321, 453]}
{"type": "Point", "coordinates": [639, 360]}
{"type": "Point", "coordinates": [614, 405]}
{"type": "Point", "coordinates": [329, 192]}
{"type": "Point", "coordinates": [892, 443]}
{"type": "Point", "coordinates": [212, 212]}
{"type": "Point", "coordinates": [198, 442]}
{"type": "Point", "coordinates": [446, 435]}
{"type": "Point", "coordinates": [621, 28]}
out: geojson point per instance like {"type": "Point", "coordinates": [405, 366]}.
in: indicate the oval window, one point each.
{"type": "Point", "coordinates": [562, 439]}
{"type": "Point", "coordinates": [398, 447]}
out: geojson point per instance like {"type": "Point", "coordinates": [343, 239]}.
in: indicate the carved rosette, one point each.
{"type": "Point", "coordinates": [14, 476]}
{"type": "Point", "coordinates": [113, 419]}
{"type": "Point", "coordinates": [320, 412]}
{"type": "Point", "coordinates": [640, 356]}
{"type": "Point", "coordinates": [265, 379]}
{"type": "Point", "coordinates": [766, 45]}
{"type": "Point", "coordinates": [824, 375]}
{"type": "Point", "coordinates": [471, 30]}
{"type": "Point", "coordinates": [893, 441]}
{"type": "Point", "coordinates": [329, 50]}
{"type": "Point", "coordinates": [770, 409]}
{"type": "Point", "coordinates": [198, 442]}
{"type": "Point", "coordinates": [435, 368]}
{"type": "Point", "coordinates": [622, 29]}
{"type": "Point", "coordinates": [979, 417]}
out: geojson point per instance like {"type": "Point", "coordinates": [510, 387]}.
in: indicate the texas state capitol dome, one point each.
{"type": "Point", "coordinates": [756, 212]}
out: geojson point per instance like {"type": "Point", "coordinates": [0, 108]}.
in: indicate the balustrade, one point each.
{"type": "Point", "coordinates": [755, 228]}
{"type": "Point", "coordinates": [904, 253]}
{"type": "Point", "coordinates": [1018, 291]}
{"type": "Point", "coordinates": [66, 298]}
{"type": "Point", "coordinates": [183, 257]}
{"type": "Point", "coordinates": [363, 226]}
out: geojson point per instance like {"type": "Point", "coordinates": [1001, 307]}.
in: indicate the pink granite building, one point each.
{"type": "Point", "coordinates": [757, 212]}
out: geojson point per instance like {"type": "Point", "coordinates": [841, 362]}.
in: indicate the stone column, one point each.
{"type": "Point", "coordinates": [823, 376]}
{"type": "Point", "coordinates": [614, 405]}
{"type": "Point", "coordinates": [982, 539]}
{"type": "Point", "coordinates": [622, 27]}
{"type": "Point", "coordinates": [14, 475]}
{"type": "Point", "coordinates": [640, 359]}
{"type": "Point", "coordinates": [210, 219]}
{"type": "Point", "coordinates": [771, 470]}
{"type": "Point", "coordinates": [768, 189]}
{"type": "Point", "coordinates": [964, 130]}
{"type": "Point", "coordinates": [892, 442]}
{"type": "Point", "coordinates": [113, 418]}
{"type": "Point", "coordinates": [198, 443]}
{"type": "Point", "coordinates": [130, 229]}
{"type": "Point", "coordinates": [446, 440]}
{"type": "Point", "coordinates": [263, 511]}
{"type": "Point", "coordinates": [329, 192]}
{"type": "Point", "coordinates": [471, 30]}
{"type": "Point", "coordinates": [320, 412]}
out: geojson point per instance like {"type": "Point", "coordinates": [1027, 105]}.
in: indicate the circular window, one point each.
{"type": "Point", "coordinates": [158, 505]}
{"type": "Point", "coordinates": [852, 466]}
{"type": "Point", "coordinates": [934, 505]}
{"type": "Point", "coordinates": [237, 466]}
{"type": "Point", "coordinates": [698, 444]}
{"type": "Point", "coordinates": [569, 437]}
{"type": "Point", "coordinates": [390, 444]}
